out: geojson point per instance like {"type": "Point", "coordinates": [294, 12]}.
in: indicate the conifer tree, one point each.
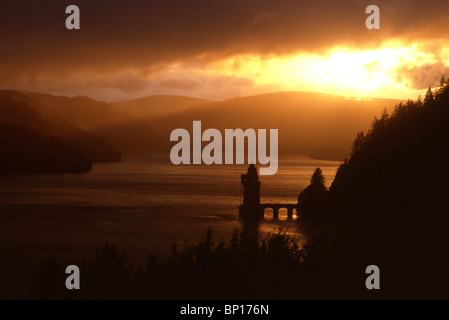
{"type": "Point", "coordinates": [318, 179]}
{"type": "Point", "coordinates": [429, 98]}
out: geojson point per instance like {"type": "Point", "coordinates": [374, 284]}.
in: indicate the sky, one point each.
{"type": "Point", "coordinates": [218, 49]}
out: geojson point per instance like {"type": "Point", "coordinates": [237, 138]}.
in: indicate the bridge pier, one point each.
{"type": "Point", "coordinates": [275, 213]}
{"type": "Point", "coordinates": [290, 213]}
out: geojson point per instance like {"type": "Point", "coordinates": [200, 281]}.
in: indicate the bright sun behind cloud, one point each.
{"type": "Point", "coordinates": [394, 70]}
{"type": "Point", "coordinates": [365, 73]}
{"type": "Point", "coordinates": [341, 71]}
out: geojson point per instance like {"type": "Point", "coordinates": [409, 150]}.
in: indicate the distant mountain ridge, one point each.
{"type": "Point", "coordinates": [156, 106]}
{"type": "Point", "coordinates": [317, 124]}
{"type": "Point", "coordinates": [32, 113]}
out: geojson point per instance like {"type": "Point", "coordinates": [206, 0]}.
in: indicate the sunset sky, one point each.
{"type": "Point", "coordinates": [219, 49]}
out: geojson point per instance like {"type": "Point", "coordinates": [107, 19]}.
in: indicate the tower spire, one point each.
{"type": "Point", "coordinates": [251, 192]}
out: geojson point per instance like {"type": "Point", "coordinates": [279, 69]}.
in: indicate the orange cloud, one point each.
{"type": "Point", "coordinates": [132, 48]}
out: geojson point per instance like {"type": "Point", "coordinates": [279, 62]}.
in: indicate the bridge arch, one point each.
{"type": "Point", "coordinates": [281, 211]}
{"type": "Point", "coordinates": [268, 213]}
{"type": "Point", "coordinates": [295, 213]}
{"type": "Point", "coordinates": [283, 214]}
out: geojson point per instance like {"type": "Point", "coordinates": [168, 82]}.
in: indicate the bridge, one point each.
{"type": "Point", "coordinates": [251, 207]}
{"type": "Point", "coordinates": [257, 211]}
{"type": "Point", "coordinates": [277, 206]}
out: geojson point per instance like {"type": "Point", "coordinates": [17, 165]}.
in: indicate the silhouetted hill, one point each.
{"type": "Point", "coordinates": [152, 107]}
{"type": "Point", "coordinates": [122, 130]}
{"type": "Point", "coordinates": [391, 196]}
{"type": "Point", "coordinates": [309, 123]}
{"type": "Point", "coordinates": [29, 112]}
{"type": "Point", "coordinates": [26, 151]}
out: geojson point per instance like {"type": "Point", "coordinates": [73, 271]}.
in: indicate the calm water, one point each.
{"type": "Point", "coordinates": [142, 204]}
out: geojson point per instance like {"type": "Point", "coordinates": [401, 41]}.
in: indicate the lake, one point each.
{"type": "Point", "coordinates": [142, 204]}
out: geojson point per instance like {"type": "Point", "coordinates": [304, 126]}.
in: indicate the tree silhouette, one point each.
{"type": "Point", "coordinates": [107, 276]}
{"type": "Point", "coordinates": [429, 98]}
{"type": "Point", "coordinates": [441, 86]}
{"type": "Point", "coordinates": [358, 142]}
{"type": "Point", "coordinates": [318, 179]}
{"type": "Point", "coordinates": [48, 281]}
{"type": "Point", "coordinates": [312, 198]}
{"type": "Point", "coordinates": [384, 195]}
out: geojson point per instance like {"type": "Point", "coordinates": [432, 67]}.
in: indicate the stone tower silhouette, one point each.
{"type": "Point", "coordinates": [251, 194]}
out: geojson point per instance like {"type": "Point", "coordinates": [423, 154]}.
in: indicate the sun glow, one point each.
{"type": "Point", "coordinates": [394, 70]}
{"type": "Point", "coordinates": [365, 73]}
{"type": "Point", "coordinates": [340, 71]}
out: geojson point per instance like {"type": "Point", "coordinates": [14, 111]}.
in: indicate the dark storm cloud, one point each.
{"type": "Point", "coordinates": [116, 35]}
